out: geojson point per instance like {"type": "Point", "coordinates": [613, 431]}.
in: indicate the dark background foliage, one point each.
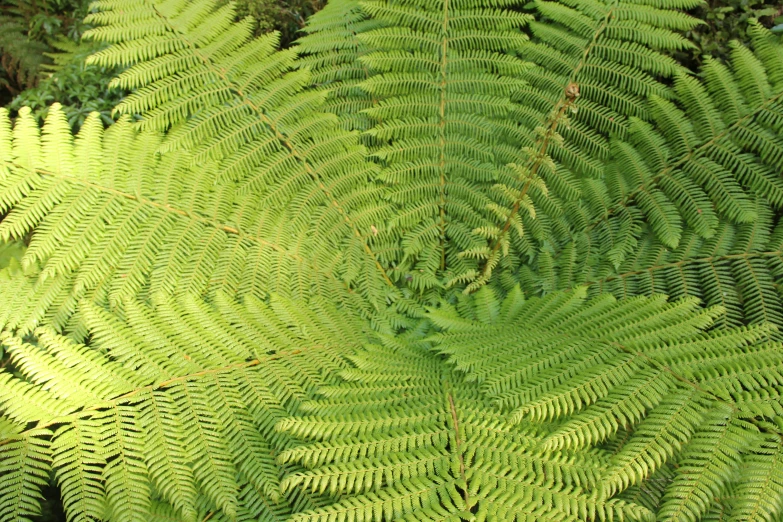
{"type": "Point", "coordinates": [42, 60]}
{"type": "Point", "coordinates": [727, 20]}
{"type": "Point", "coordinates": [286, 16]}
{"type": "Point", "coordinates": [26, 26]}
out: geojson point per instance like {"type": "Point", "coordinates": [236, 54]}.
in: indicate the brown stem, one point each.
{"type": "Point", "coordinates": [568, 98]}
{"type": "Point", "coordinates": [458, 449]}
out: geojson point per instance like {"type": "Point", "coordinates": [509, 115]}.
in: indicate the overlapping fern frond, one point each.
{"type": "Point", "coordinates": [432, 83]}
{"type": "Point", "coordinates": [555, 408]}
{"type": "Point", "coordinates": [594, 64]}
{"type": "Point", "coordinates": [739, 268]}
{"type": "Point", "coordinates": [681, 195]}
{"type": "Point", "coordinates": [173, 402]}
{"type": "Point", "coordinates": [638, 379]}
{"type": "Point", "coordinates": [115, 220]}
{"type": "Point", "coordinates": [597, 64]}
{"type": "Point", "coordinates": [297, 286]}
{"type": "Point", "coordinates": [235, 102]}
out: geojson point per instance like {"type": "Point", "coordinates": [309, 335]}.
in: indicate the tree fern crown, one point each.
{"type": "Point", "coordinates": [440, 260]}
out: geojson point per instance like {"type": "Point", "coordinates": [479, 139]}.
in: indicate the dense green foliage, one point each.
{"type": "Point", "coordinates": [27, 28]}
{"type": "Point", "coordinates": [412, 268]}
{"type": "Point", "coordinates": [44, 58]}
{"type": "Point", "coordinates": [726, 21]}
{"type": "Point", "coordinates": [43, 61]}
{"type": "Point", "coordinates": [285, 16]}
{"type": "Point", "coordinates": [81, 89]}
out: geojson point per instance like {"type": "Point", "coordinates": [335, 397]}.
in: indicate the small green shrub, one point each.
{"type": "Point", "coordinates": [285, 16]}
{"type": "Point", "coordinates": [80, 88]}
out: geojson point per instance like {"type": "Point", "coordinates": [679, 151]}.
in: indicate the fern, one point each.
{"type": "Point", "coordinates": [149, 226]}
{"type": "Point", "coordinates": [569, 374]}
{"type": "Point", "coordinates": [184, 409]}
{"type": "Point", "coordinates": [707, 174]}
{"type": "Point", "coordinates": [255, 122]}
{"type": "Point", "coordinates": [571, 54]}
{"type": "Point", "coordinates": [414, 268]}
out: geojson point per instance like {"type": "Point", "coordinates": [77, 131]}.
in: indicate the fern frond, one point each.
{"type": "Point", "coordinates": [148, 407]}
{"type": "Point", "coordinates": [436, 81]}
{"type": "Point", "coordinates": [703, 177]}
{"type": "Point", "coordinates": [235, 104]}
{"type": "Point", "coordinates": [710, 460]}
{"type": "Point", "coordinates": [735, 269]}
{"type": "Point", "coordinates": [473, 461]}
{"type": "Point", "coordinates": [26, 460]}
{"type": "Point", "coordinates": [110, 238]}
{"type": "Point", "coordinates": [330, 50]}
{"type": "Point", "coordinates": [590, 77]}
{"type": "Point", "coordinates": [668, 385]}
{"type": "Point", "coordinates": [433, 442]}
{"type": "Point", "coordinates": [759, 496]}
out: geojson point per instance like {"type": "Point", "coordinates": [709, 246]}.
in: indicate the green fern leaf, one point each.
{"type": "Point", "coordinates": [441, 260]}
